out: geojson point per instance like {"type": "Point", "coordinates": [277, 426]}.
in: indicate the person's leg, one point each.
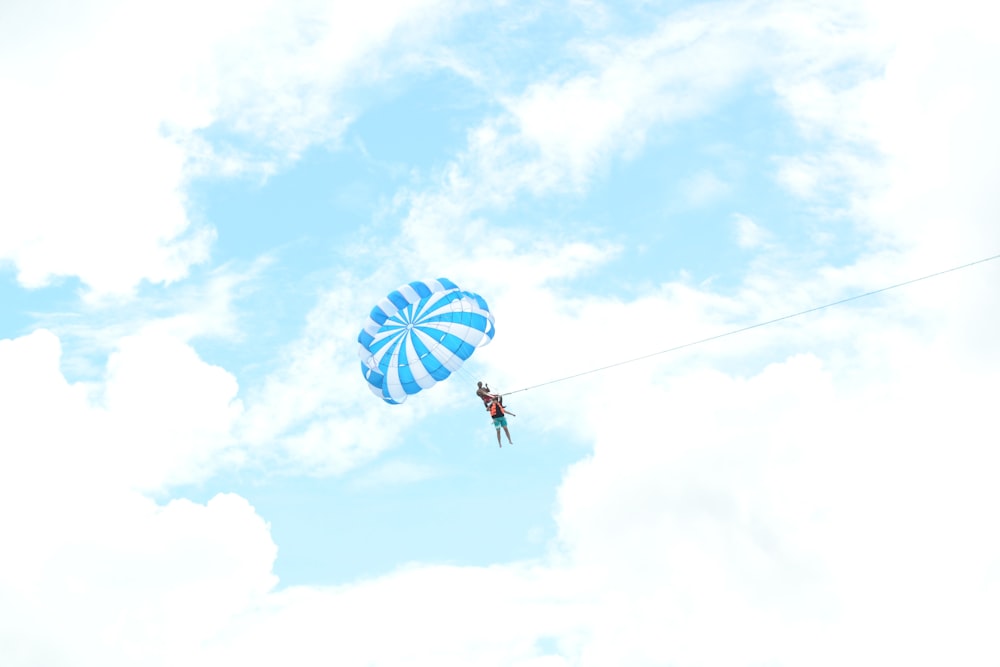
{"type": "Point", "coordinates": [498, 436]}
{"type": "Point", "coordinates": [508, 435]}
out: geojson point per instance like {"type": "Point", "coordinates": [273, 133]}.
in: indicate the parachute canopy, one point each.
{"type": "Point", "coordinates": [419, 335]}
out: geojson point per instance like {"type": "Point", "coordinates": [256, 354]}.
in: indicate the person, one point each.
{"type": "Point", "coordinates": [499, 414]}
{"type": "Point", "coordinates": [483, 392]}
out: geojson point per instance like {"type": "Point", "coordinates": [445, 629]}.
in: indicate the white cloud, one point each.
{"type": "Point", "coordinates": [95, 572]}
{"type": "Point", "coordinates": [749, 234]}
{"type": "Point", "coordinates": [679, 69]}
{"type": "Point", "coordinates": [279, 80]}
{"type": "Point", "coordinates": [100, 132]}
{"type": "Point", "coordinates": [831, 506]}
{"type": "Point", "coordinates": [125, 580]}
{"type": "Point", "coordinates": [932, 117]}
{"type": "Point", "coordinates": [316, 410]}
{"type": "Point", "coordinates": [95, 188]}
{"type": "Point", "coordinates": [161, 416]}
{"type": "Point", "coordinates": [170, 414]}
{"type": "Point", "coordinates": [784, 507]}
{"type": "Point", "coordinates": [778, 509]}
{"type": "Point", "coordinates": [434, 615]}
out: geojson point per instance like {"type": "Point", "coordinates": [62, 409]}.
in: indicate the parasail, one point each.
{"type": "Point", "coordinates": [419, 335]}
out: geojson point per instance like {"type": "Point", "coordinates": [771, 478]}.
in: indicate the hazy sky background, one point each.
{"type": "Point", "coordinates": [200, 203]}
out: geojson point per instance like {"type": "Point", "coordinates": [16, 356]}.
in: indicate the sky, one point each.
{"type": "Point", "coordinates": [201, 203]}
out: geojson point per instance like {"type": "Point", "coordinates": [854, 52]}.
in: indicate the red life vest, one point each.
{"type": "Point", "coordinates": [496, 410]}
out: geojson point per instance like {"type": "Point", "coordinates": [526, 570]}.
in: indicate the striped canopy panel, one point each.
{"type": "Point", "coordinates": [419, 335]}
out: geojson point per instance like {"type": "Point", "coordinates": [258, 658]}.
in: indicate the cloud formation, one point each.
{"type": "Point", "coordinates": [822, 494]}
{"type": "Point", "coordinates": [114, 108]}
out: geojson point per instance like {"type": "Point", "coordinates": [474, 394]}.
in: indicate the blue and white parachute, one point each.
{"type": "Point", "coordinates": [419, 335]}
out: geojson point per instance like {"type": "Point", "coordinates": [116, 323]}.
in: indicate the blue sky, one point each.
{"type": "Point", "coordinates": [202, 205]}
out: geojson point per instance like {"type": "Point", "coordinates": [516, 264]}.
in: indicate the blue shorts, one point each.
{"type": "Point", "coordinates": [499, 421]}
